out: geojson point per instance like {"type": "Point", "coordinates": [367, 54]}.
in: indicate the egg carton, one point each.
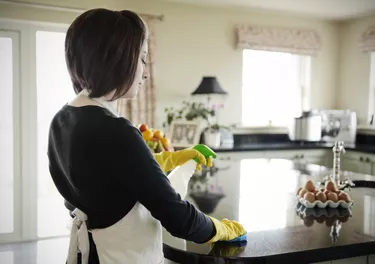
{"type": "Point", "coordinates": [323, 212]}
{"type": "Point", "coordinates": [320, 204]}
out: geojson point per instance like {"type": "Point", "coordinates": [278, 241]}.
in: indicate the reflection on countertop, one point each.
{"type": "Point", "coordinates": [260, 194]}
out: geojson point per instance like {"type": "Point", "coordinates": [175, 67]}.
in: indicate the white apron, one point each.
{"type": "Point", "coordinates": [136, 238]}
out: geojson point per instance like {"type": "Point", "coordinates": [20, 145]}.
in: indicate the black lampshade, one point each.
{"type": "Point", "coordinates": [209, 85]}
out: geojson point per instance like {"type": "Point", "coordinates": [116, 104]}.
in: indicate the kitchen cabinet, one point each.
{"type": "Point", "coordinates": [238, 155]}
{"type": "Point", "coordinates": [311, 156]}
{"type": "Point", "coordinates": [316, 156]}
{"type": "Point", "coordinates": [358, 162]}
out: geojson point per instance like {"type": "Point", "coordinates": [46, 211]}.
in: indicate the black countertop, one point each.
{"type": "Point", "coordinates": [260, 194]}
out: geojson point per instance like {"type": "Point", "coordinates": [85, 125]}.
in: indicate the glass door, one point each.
{"type": "Point", "coordinates": [54, 89]}
{"type": "Point", "coordinates": [10, 161]}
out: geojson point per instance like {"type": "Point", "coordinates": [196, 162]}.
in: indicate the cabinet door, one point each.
{"type": "Point", "coordinates": [317, 161]}
{"type": "Point", "coordinates": [238, 155]}
{"type": "Point", "coordinates": [367, 168]}
{"type": "Point", "coordinates": [353, 165]}
{"type": "Point", "coordinates": [313, 156]}
{"type": "Point", "coordinates": [284, 154]}
{"type": "Point", "coordinates": [357, 165]}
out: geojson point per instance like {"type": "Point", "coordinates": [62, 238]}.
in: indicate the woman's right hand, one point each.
{"type": "Point", "coordinates": [227, 230]}
{"type": "Point", "coordinates": [170, 160]}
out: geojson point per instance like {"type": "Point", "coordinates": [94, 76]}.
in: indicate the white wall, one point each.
{"type": "Point", "coordinates": [354, 68]}
{"type": "Point", "coordinates": [195, 41]}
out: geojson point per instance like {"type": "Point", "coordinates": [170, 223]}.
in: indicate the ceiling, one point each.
{"type": "Point", "coordinates": [324, 9]}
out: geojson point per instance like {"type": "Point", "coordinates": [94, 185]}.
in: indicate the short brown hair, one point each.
{"type": "Point", "coordinates": [102, 48]}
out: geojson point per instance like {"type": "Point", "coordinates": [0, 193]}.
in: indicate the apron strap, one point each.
{"type": "Point", "coordinates": [79, 239]}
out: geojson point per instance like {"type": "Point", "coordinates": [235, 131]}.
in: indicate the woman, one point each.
{"type": "Point", "coordinates": [99, 161]}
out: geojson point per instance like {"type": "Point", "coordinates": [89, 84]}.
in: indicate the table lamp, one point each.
{"type": "Point", "coordinates": [209, 86]}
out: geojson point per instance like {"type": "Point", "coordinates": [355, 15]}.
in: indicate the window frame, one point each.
{"type": "Point", "coordinates": [25, 104]}
{"type": "Point", "coordinates": [304, 64]}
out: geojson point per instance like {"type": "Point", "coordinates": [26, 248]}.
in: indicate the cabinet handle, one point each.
{"type": "Point", "coordinates": [302, 156]}
{"type": "Point", "coordinates": [360, 159]}
{"type": "Point", "coordinates": [367, 160]}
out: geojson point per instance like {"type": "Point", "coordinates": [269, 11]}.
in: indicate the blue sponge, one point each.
{"type": "Point", "coordinates": [239, 239]}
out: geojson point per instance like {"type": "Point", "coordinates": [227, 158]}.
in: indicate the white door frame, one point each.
{"type": "Point", "coordinates": [17, 195]}
{"type": "Point", "coordinates": [26, 127]}
{"type": "Point", "coordinates": [371, 102]}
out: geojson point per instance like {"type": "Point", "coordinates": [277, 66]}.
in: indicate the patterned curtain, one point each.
{"type": "Point", "coordinates": [367, 40]}
{"type": "Point", "coordinates": [142, 108]}
{"type": "Point", "coordinates": [290, 40]}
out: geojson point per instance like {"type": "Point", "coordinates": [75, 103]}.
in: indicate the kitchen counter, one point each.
{"type": "Point", "coordinates": [260, 194]}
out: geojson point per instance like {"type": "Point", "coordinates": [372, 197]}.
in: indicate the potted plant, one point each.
{"type": "Point", "coordinates": [189, 111]}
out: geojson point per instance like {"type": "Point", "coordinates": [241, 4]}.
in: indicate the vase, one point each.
{"type": "Point", "coordinates": [212, 139]}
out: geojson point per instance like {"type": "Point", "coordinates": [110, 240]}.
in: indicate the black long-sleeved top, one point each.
{"type": "Point", "coordinates": [101, 165]}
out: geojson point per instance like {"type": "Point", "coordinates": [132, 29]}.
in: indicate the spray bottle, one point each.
{"type": "Point", "coordinates": [180, 176]}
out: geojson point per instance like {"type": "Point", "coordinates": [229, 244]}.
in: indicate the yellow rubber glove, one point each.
{"type": "Point", "coordinates": [170, 160]}
{"type": "Point", "coordinates": [226, 230]}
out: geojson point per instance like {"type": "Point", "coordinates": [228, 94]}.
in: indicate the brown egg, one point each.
{"type": "Point", "coordinates": [331, 186]}
{"type": "Point", "coordinates": [344, 219]}
{"type": "Point", "coordinates": [321, 197]}
{"type": "Point", "coordinates": [299, 189]}
{"type": "Point", "coordinates": [326, 192]}
{"type": "Point", "coordinates": [332, 197]}
{"type": "Point", "coordinates": [322, 189]}
{"type": "Point", "coordinates": [321, 219]}
{"type": "Point", "coordinates": [344, 196]}
{"type": "Point", "coordinates": [308, 222]}
{"type": "Point", "coordinates": [309, 196]}
{"type": "Point", "coordinates": [302, 193]}
{"type": "Point", "coordinates": [315, 191]}
{"type": "Point", "coordinates": [330, 221]}
{"type": "Point", "coordinates": [310, 186]}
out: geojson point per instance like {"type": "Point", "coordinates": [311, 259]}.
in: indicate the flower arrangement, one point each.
{"type": "Point", "coordinates": [155, 139]}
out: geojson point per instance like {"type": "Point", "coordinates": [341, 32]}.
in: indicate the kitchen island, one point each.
{"type": "Point", "coordinates": [260, 194]}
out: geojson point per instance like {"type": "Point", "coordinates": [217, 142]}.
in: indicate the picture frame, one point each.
{"type": "Point", "coordinates": [185, 134]}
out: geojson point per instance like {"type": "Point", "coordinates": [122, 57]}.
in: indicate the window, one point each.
{"type": "Point", "coordinates": [267, 77]}
{"type": "Point", "coordinates": [54, 89]}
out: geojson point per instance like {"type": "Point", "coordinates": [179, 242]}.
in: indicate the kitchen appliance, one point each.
{"type": "Point", "coordinates": [226, 138]}
{"type": "Point", "coordinates": [339, 125]}
{"type": "Point", "coordinates": [307, 127]}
